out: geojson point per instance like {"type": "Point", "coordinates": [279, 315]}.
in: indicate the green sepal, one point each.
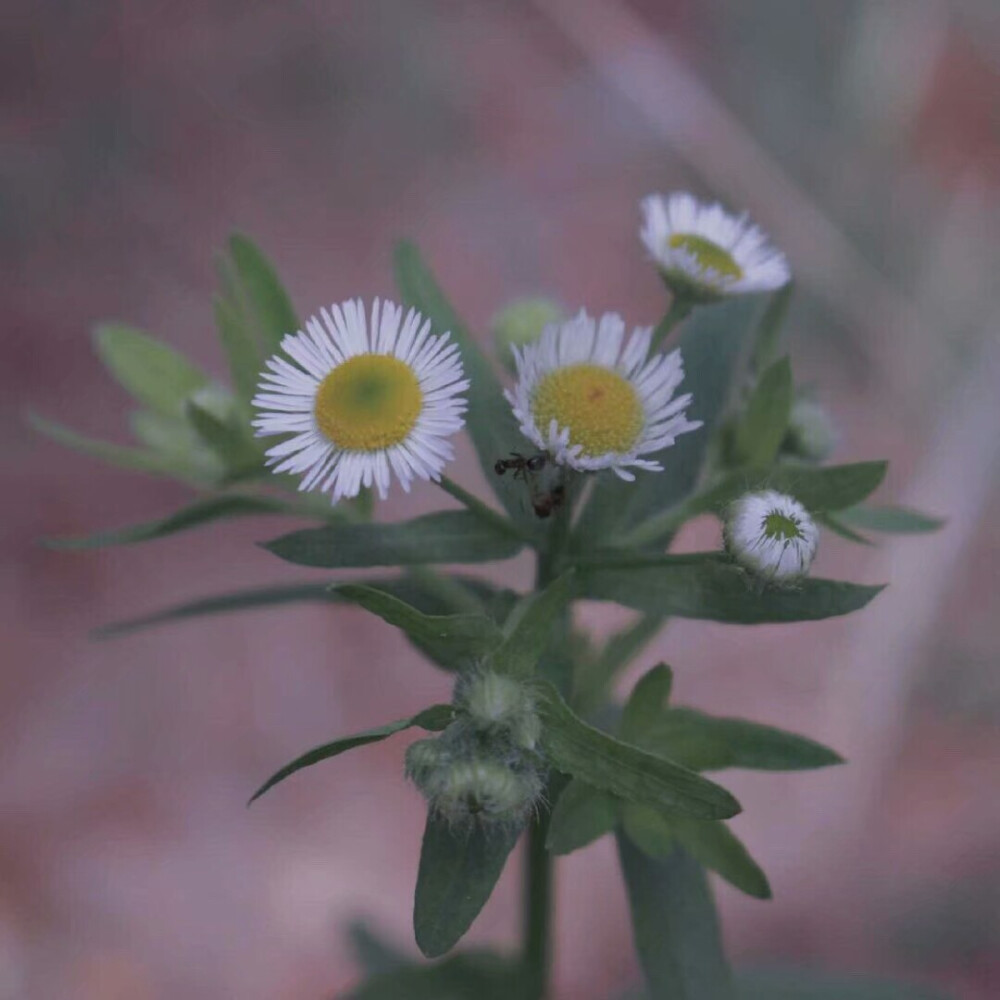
{"type": "Point", "coordinates": [489, 419]}
{"type": "Point", "coordinates": [710, 743]}
{"type": "Point", "coordinates": [582, 814]}
{"type": "Point", "coordinates": [452, 536]}
{"type": "Point", "coordinates": [433, 719]}
{"type": "Point", "coordinates": [647, 702]}
{"type": "Point", "coordinates": [454, 642]}
{"type": "Point", "coordinates": [578, 749]}
{"type": "Point", "coordinates": [194, 515]}
{"type": "Point", "coordinates": [529, 628]}
{"type": "Point", "coordinates": [153, 373]}
{"type": "Point", "coordinates": [675, 926]}
{"type": "Point", "coordinates": [710, 842]}
{"type": "Point", "coordinates": [895, 520]}
{"type": "Point", "coordinates": [459, 866]}
{"type": "Point", "coordinates": [715, 589]}
{"type": "Point", "coordinates": [765, 420]}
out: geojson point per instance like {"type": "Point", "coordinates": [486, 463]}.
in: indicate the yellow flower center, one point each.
{"type": "Point", "coordinates": [709, 255]}
{"type": "Point", "coordinates": [369, 402]}
{"type": "Point", "coordinates": [601, 408]}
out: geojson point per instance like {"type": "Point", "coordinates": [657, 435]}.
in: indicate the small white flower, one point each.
{"type": "Point", "coordinates": [594, 401]}
{"type": "Point", "coordinates": [362, 401]}
{"type": "Point", "coordinates": [771, 534]}
{"type": "Point", "coordinates": [704, 252]}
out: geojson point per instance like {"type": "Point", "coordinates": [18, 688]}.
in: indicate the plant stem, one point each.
{"type": "Point", "coordinates": [679, 309]}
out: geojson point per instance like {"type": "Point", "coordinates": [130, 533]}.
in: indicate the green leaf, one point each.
{"type": "Point", "coordinates": [710, 842]}
{"type": "Point", "coordinates": [114, 454]}
{"type": "Point", "coordinates": [593, 676]}
{"type": "Point", "coordinates": [710, 347]}
{"type": "Point", "coordinates": [226, 438]}
{"type": "Point", "coordinates": [807, 984]}
{"type": "Point", "coordinates": [765, 421]}
{"type": "Point", "coordinates": [267, 303]}
{"type": "Point", "coordinates": [717, 590]}
{"type": "Point", "coordinates": [447, 537]}
{"type": "Point", "coordinates": [434, 719]}
{"type": "Point", "coordinates": [490, 422]}
{"type": "Point", "coordinates": [583, 752]}
{"type": "Point", "coordinates": [241, 350]}
{"type": "Point", "coordinates": [707, 743]}
{"type": "Point", "coordinates": [529, 628]}
{"type": "Point", "coordinates": [452, 641]}
{"type": "Point", "coordinates": [819, 488]}
{"type": "Point", "coordinates": [153, 373]}
{"type": "Point", "coordinates": [675, 926]}
{"type": "Point", "coordinates": [469, 976]}
{"type": "Point", "coordinates": [581, 815]}
{"type": "Point", "coordinates": [459, 866]}
{"type": "Point", "coordinates": [647, 702]}
{"type": "Point", "coordinates": [833, 523]}
{"type": "Point", "coordinates": [767, 337]}
{"type": "Point", "coordinates": [900, 520]}
{"type": "Point", "coordinates": [372, 952]}
{"type": "Point", "coordinates": [416, 591]}
{"type": "Point", "coordinates": [192, 516]}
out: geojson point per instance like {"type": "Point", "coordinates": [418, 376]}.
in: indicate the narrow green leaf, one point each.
{"type": "Point", "coordinates": [241, 350]}
{"type": "Point", "coordinates": [832, 522]}
{"type": "Point", "coordinates": [807, 984]}
{"type": "Point", "coordinates": [901, 520]}
{"type": "Point", "coordinates": [225, 438]}
{"type": "Point", "coordinates": [446, 537]}
{"type": "Point", "coordinates": [468, 976]}
{"type": "Point", "coordinates": [767, 338]}
{"type": "Point", "coordinates": [649, 829]}
{"type": "Point", "coordinates": [578, 749]}
{"type": "Point", "coordinates": [434, 719]}
{"type": "Point", "coordinates": [710, 347]}
{"type": "Point", "coordinates": [452, 641]}
{"type": "Point", "coordinates": [192, 516]}
{"type": "Point", "coordinates": [153, 373]}
{"type": "Point", "coordinates": [707, 743]}
{"type": "Point", "coordinates": [373, 953]}
{"type": "Point", "coordinates": [529, 628]}
{"type": "Point", "coordinates": [490, 422]}
{"type": "Point", "coordinates": [459, 866]}
{"type": "Point", "coordinates": [114, 454]}
{"type": "Point", "coordinates": [594, 675]}
{"type": "Point", "coordinates": [765, 421]}
{"type": "Point", "coordinates": [675, 926]}
{"type": "Point", "coordinates": [719, 591]}
{"type": "Point", "coordinates": [268, 303]}
{"type": "Point", "coordinates": [581, 815]}
{"type": "Point", "coordinates": [647, 702]}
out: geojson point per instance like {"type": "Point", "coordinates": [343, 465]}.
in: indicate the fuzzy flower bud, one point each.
{"type": "Point", "coordinates": [811, 433]}
{"type": "Point", "coordinates": [499, 704]}
{"type": "Point", "coordinates": [771, 535]}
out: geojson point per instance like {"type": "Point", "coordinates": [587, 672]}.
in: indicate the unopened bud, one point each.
{"type": "Point", "coordinates": [520, 323]}
{"type": "Point", "coordinates": [772, 535]}
{"type": "Point", "coordinates": [811, 433]}
{"type": "Point", "coordinates": [497, 703]}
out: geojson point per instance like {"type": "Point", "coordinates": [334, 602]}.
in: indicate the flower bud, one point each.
{"type": "Point", "coordinates": [496, 703]}
{"type": "Point", "coordinates": [485, 791]}
{"type": "Point", "coordinates": [811, 433]}
{"type": "Point", "coordinates": [520, 323]}
{"type": "Point", "coordinates": [771, 535]}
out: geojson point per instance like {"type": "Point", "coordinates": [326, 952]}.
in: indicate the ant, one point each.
{"type": "Point", "coordinates": [521, 464]}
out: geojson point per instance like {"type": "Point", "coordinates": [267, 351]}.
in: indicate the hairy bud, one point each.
{"type": "Point", "coordinates": [499, 704]}
{"type": "Point", "coordinates": [771, 535]}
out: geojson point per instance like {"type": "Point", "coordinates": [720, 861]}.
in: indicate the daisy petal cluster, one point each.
{"type": "Point", "coordinates": [594, 400]}
{"type": "Point", "coordinates": [772, 535]}
{"type": "Point", "coordinates": [704, 253]}
{"type": "Point", "coordinates": [363, 399]}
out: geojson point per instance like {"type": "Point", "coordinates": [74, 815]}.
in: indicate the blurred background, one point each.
{"type": "Point", "coordinates": [513, 141]}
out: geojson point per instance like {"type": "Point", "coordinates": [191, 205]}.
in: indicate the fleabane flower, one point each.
{"type": "Point", "coordinates": [593, 400]}
{"type": "Point", "coordinates": [363, 400]}
{"type": "Point", "coordinates": [772, 535]}
{"type": "Point", "coordinates": [704, 253]}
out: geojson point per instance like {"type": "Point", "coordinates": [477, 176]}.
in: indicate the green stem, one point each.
{"type": "Point", "coordinates": [481, 510]}
{"type": "Point", "coordinates": [679, 310]}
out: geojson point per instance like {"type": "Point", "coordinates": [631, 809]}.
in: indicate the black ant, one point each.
{"type": "Point", "coordinates": [521, 464]}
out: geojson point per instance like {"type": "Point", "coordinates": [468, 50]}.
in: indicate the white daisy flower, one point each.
{"type": "Point", "coordinates": [705, 253]}
{"type": "Point", "coordinates": [772, 535]}
{"type": "Point", "coordinates": [362, 401]}
{"type": "Point", "coordinates": [594, 401]}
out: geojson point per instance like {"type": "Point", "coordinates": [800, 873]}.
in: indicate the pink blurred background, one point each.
{"type": "Point", "coordinates": [513, 141]}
